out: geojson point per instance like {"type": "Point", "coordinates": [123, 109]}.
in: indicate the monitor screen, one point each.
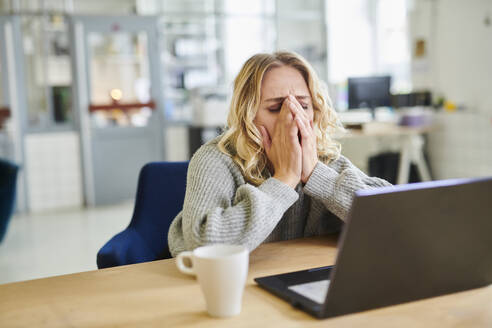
{"type": "Point", "coordinates": [369, 92]}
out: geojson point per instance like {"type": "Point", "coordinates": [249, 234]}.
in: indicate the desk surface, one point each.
{"type": "Point", "coordinates": [156, 294]}
{"type": "Point", "coordinates": [385, 129]}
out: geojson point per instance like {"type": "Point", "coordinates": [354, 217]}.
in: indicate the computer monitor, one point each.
{"type": "Point", "coordinates": [369, 92]}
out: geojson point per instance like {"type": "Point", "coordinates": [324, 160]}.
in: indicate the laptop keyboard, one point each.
{"type": "Point", "coordinates": [315, 290]}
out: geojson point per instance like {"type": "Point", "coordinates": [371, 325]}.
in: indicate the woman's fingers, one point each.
{"type": "Point", "coordinates": [285, 114]}
{"type": "Point", "coordinates": [305, 133]}
{"type": "Point", "coordinates": [309, 149]}
{"type": "Point", "coordinates": [293, 106]}
{"type": "Point", "coordinates": [285, 124]}
{"type": "Point", "coordinates": [299, 113]}
{"type": "Point", "coordinates": [265, 137]}
{"type": "Point", "coordinates": [292, 121]}
{"type": "Point", "coordinates": [296, 107]}
{"type": "Point", "coordinates": [285, 149]}
{"type": "Point", "coordinates": [306, 130]}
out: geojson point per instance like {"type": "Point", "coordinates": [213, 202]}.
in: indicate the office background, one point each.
{"type": "Point", "coordinates": [92, 90]}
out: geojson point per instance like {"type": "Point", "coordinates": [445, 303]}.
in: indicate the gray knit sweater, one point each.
{"type": "Point", "coordinates": [220, 207]}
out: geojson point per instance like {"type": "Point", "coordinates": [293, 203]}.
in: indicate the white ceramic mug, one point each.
{"type": "Point", "coordinates": [221, 271]}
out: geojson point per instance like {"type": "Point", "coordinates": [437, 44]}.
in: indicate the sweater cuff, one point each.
{"type": "Point", "coordinates": [280, 192]}
{"type": "Point", "coordinates": [322, 178]}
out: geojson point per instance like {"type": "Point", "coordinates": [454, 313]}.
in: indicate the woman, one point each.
{"type": "Point", "coordinates": [276, 173]}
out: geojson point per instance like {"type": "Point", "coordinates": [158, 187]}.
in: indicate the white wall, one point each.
{"type": "Point", "coordinates": [176, 143]}
{"type": "Point", "coordinates": [460, 146]}
{"type": "Point", "coordinates": [459, 44]}
{"type": "Point", "coordinates": [457, 66]}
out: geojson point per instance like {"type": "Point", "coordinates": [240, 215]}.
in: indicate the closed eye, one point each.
{"type": "Point", "coordinates": [277, 108]}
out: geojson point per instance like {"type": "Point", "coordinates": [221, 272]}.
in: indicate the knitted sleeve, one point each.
{"type": "Point", "coordinates": [220, 208]}
{"type": "Point", "coordinates": [335, 184]}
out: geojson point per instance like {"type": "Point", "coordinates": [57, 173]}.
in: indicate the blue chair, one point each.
{"type": "Point", "coordinates": [8, 179]}
{"type": "Point", "coordinates": [160, 195]}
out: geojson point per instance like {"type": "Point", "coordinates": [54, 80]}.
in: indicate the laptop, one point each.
{"type": "Point", "coordinates": [400, 244]}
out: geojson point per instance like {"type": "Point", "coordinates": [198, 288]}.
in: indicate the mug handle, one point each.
{"type": "Point", "coordinates": [180, 263]}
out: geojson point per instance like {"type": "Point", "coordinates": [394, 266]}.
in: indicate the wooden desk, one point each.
{"type": "Point", "coordinates": [156, 294]}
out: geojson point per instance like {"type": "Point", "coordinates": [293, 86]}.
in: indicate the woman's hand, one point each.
{"type": "Point", "coordinates": [283, 148]}
{"type": "Point", "coordinates": [308, 138]}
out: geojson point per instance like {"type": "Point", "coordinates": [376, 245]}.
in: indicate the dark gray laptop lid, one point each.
{"type": "Point", "coordinates": [413, 241]}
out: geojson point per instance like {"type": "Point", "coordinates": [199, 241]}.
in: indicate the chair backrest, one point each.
{"type": "Point", "coordinates": [8, 179]}
{"type": "Point", "coordinates": [160, 196]}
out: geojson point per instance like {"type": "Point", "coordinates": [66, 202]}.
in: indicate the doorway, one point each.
{"type": "Point", "coordinates": [118, 102]}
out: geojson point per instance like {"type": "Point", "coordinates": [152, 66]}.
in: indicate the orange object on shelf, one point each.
{"type": "Point", "coordinates": [4, 115]}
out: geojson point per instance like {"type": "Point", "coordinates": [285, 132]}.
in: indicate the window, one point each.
{"type": "Point", "coordinates": [248, 29]}
{"type": "Point", "coordinates": [367, 37]}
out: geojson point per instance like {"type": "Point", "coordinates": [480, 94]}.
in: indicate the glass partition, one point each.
{"type": "Point", "coordinates": [2, 76]}
{"type": "Point", "coordinates": [37, 102]}
{"type": "Point", "coordinates": [205, 44]}
{"type": "Point", "coordinates": [48, 71]}
{"type": "Point", "coordinates": [301, 28]}
{"type": "Point", "coordinates": [190, 60]}
{"type": "Point", "coordinates": [4, 110]}
{"type": "Point", "coordinates": [120, 79]}
{"type": "Point", "coordinates": [191, 53]}
{"type": "Point", "coordinates": [245, 36]}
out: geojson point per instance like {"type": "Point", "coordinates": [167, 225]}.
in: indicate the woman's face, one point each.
{"type": "Point", "coordinates": [277, 84]}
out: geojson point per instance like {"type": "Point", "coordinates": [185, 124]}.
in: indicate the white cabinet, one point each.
{"type": "Point", "coordinates": [53, 171]}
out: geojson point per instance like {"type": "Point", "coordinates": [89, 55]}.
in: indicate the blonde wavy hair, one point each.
{"type": "Point", "coordinates": [242, 139]}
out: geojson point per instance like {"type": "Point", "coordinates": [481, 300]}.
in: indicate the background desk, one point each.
{"type": "Point", "coordinates": [156, 294]}
{"type": "Point", "coordinates": [380, 137]}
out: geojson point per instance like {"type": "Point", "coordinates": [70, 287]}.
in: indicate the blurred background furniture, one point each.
{"type": "Point", "coordinates": [160, 195]}
{"type": "Point", "coordinates": [8, 179]}
{"type": "Point", "coordinates": [389, 151]}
